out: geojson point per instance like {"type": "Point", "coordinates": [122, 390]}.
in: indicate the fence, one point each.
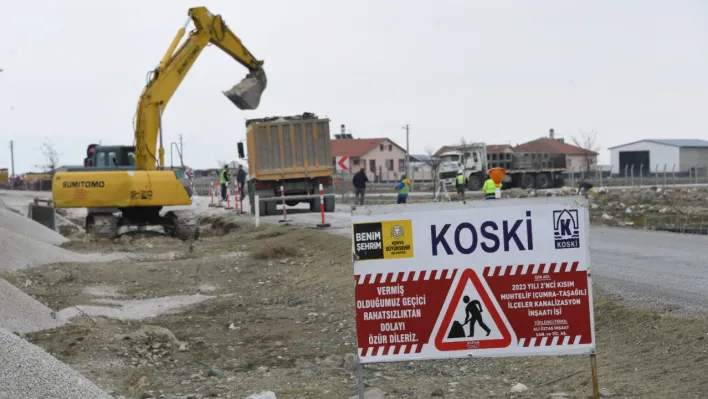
{"type": "Point", "coordinates": [638, 176]}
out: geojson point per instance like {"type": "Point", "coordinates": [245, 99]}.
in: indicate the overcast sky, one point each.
{"type": "Point", "coordinates": [498, 71]}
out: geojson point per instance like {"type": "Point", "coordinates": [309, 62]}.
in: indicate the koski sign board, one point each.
{"type": "Point", "coordinates": [492, 278]}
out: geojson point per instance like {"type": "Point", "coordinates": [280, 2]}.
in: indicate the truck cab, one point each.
{"type": "Point", "coordinates": [472, 159]}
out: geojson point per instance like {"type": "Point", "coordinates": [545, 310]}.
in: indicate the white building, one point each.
{"type": "Point", "coordinates": [650, 156]}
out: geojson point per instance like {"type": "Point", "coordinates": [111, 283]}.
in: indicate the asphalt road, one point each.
{"type": "Point", "coordinates": [651, 268]}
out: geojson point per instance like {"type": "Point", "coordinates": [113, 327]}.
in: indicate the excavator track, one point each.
{"type": "Point", "coordinates": [102, 226]}
{"type": "Point", "coordinates": [183, 225]}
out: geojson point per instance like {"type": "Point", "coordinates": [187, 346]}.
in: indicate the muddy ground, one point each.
{"type": "Point", "coordinates": [282, 319]}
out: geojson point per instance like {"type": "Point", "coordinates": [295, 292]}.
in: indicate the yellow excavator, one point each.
{"type": "Point", "coordinates": [128, 185]}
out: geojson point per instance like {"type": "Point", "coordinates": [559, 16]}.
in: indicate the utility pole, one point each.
{"type": "Point", "coordinates": [408, 168]}
{"type": "Point", "coordinates": [12, 165]}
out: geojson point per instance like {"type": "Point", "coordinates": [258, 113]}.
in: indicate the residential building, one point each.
{"type": "Point", "coordinates": [381, 158]}
{"type": "Point", "coordinates": [576, 159]}
{"type": "Point", "coordinates": [422, 168]}
{"type": "Point", "coordinates": [653, 155]}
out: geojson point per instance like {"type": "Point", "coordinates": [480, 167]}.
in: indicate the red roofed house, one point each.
{"type": "Point", "coordinates": [576, 158]}
{"type": "Point", "coordinates": [382, 159]}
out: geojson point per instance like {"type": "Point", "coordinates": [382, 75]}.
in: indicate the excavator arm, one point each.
{"type": "Point", "coordinates": [175, 65]}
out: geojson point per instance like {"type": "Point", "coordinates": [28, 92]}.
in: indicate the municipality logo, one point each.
{"type": "Point", "coordinates": [566, 228]}
{"type": "Point", "coordinates": [397, 232]}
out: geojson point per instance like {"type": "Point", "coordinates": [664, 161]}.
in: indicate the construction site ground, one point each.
{"type": "Point", "coordinates": [245, 310]}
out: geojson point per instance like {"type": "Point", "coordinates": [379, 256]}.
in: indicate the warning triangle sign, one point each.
{"type": "Point", "coordinates": [471, 320]}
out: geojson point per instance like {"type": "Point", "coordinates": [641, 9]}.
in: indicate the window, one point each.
{"type": "Point", "coordinates": [381, 147]}
{"type": "Point", "coordinates": [474, 157]}
{"type": "Point", "coordinates": [355, 161]}
{"type": "Point", "coordinates": [390, 147]}
{"type": "Point", "coordinates": [401, 165]}
{"type": "Point", "coordinates": [101, 160]}
{"type": "Point", "coordinates": [389, 164]}
{"type": "Point", "coordinates": [372, 165]}
{"type": "Point", "coordinates": [112, 159]}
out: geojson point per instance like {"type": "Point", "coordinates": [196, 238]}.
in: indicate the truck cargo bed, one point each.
{"type": "Point", "coordinates": [291, 147]}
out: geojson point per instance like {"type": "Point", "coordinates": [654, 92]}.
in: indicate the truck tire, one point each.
{"type": "Point", "coordinates": [527, 181]}
{"type": "Point", "coordinates": [474, 183]}
{"type": "Point", "coordinates": [543, 181]}
{"type": "Point", "coordinates": [315, 205]}
{"type": "Point", "coordinates": [329, 204]}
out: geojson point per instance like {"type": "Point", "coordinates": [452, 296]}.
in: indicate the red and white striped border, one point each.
{"type": "Point", "coordinates": [550, 341]}
{"type": "Point", "coordinates": [395, 277]}
{"type": "Point", "coordinates": [540, 268]}
{"type": "Point", "coordinates": [388, 350]}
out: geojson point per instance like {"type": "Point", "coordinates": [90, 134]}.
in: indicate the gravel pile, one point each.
{"type": "Point", "coordinates": [28, 372]}
{"type": "Point", "coordinates": [29, 228]}
{"type": "Point", "coordinates": [21, 313]}
{"type": "Point", "coordinates": [20, 252]}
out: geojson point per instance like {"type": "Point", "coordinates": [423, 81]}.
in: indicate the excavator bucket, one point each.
{"type": "Point", "coordinates": [247, 93]}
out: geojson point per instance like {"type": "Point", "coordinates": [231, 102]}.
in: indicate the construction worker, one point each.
{"type": "Point", "coordinates": [224, 180]}
{"type": "Point", "coordinates": [241, 179]}
{"type": "Point", "coordinates": [490, 189]}
{"type": "Point", "coordinates": [461, 184]}
{"type": "Point", "coordinates": [402, 189]}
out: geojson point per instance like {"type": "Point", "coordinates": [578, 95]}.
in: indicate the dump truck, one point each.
{"type": "Point", "coordinates": [523, 169]}
{"type": "Point", "coordinates": [294, 152]}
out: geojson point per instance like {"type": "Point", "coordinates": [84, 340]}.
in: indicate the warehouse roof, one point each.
{"type": "Point", "coordinates": [682, 143]}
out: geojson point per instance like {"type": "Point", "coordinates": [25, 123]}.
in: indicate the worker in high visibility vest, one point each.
{"type": "Point", "coordinates": [490, 189]}
{"type": "Point", "coordinates": [461, 184]}
{"type": "Point", "coordinates": [224, 180]}
{"type": "Point", "coordinates": [402, 190]}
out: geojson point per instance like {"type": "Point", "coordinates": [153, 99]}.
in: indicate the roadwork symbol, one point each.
{"type": "Point", "coordinates": [471, 320]}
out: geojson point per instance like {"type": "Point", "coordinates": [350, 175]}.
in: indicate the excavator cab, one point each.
{"type": "Point", "coordinates": [110, 157]}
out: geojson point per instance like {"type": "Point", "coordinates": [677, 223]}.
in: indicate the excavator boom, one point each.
{"type": "Point", "coordinates": [174, 66]}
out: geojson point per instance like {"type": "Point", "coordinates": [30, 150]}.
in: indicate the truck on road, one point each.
{"type": "Point", "coordinates": [294, 152]}
{"type": "Point", "coordinates": [523, 169]}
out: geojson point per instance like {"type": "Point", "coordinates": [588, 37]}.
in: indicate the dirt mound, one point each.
{"type": "Point", "coordinates": [21, 313]}
{"type": "Point", "coordinates": [29, 228]}
{"type": "Point", "coordinates": [20, 252]}
{"type": "Point", "coordinates": [27, 371]}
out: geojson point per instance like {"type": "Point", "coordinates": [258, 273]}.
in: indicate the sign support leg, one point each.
{"type": "Point", "coordinates": [595, 383]}
{"type": "Point", "coordinates": [360, 375]}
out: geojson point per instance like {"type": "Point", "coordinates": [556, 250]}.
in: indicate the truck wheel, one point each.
{"type": "Point", "coordinates": [543, 181]}
{"type": "Point", "coordinates": [329, 204]}
{"type": "Point", "coordinates": [474, 183]}
{"type": "Point", "coordinates": [527, 181]}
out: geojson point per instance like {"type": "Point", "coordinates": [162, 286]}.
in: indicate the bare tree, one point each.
{"type": "Point", "coordinates": [587, 141]}
{"type": "Point", "coordinates": [51, 157]}
{"type": "Point", "coordinates": [433, 162]}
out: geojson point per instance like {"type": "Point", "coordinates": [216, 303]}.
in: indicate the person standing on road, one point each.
{"type": "Point", "coordinates": [224, 180]}
{"type": "Point", "coordinates": [359, 181]}
{"type": "Point", "coordinates": [490, 189]}
{"type": "Point", "coordinates": [402, 188]}
{"type": "Point", "coordinates": [241, 179]}
{"type": "Point", "coordinates": [461, 184]}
